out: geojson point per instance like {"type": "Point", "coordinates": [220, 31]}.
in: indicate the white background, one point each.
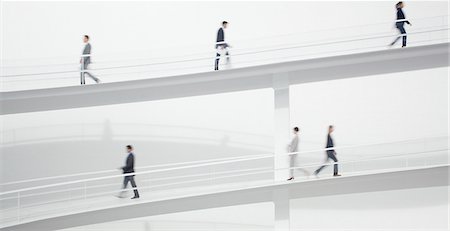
{"type": "Point", "coordinates": [129, 33]}
{"type": "Point", "coordinates": [371, 109]}
{"type": "Point", "coordinates": [55, 29]}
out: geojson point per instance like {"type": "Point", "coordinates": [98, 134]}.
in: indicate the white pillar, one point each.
{"type": "Point", "coordinates": [281, 125]}
{"type": "Point", "coordinates": [282, 209]}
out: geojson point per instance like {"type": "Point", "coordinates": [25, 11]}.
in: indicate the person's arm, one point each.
{"type": "Point", "coordinates": [405, 18]}
{"type": "Point", "coordinates": [128, 164]}
{"type": "Point", "coordinates": [401, 16]}
{"type": "Point", "coordinates": [332, 145]}
{"type": "Point", "coordinates": [220, 37]}
{"type": "Point", "coordinates": [86, 51]}
{"type": "Point", "coordinates": [293, 145]}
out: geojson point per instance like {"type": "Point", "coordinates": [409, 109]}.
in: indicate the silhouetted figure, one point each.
{"type": "Point", "coordinates": [221, 45]}
{"type": "Point", "coordinates": [85, 61]}
{"type": "Point", "coordinates": [293, 147]}
{"type": "Point", "coordinates": [401, 20]}
{"type": "Point", "coordinates": [129, 168]}
{"type": "Point", "coordinates": [331, 154]}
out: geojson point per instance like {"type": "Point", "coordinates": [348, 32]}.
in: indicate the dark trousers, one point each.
{"type": "Point", "coordinates": [130, 179]}
{"type": "Point", "coordinates": [402, 34]}
{"type": "Point", "coordinates": [83, 74]}
{"type": "Point", "coordinates": [330, 155]}
{"type": "Point", "coordinates": [216, 66]}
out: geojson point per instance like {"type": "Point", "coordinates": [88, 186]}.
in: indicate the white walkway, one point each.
{"type": "Point", "coordinates": [238, 79]}
{"type": "Point", "coordinates": [108, 208]}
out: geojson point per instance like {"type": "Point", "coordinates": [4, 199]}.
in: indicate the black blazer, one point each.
{"type": "Point", "coordinates": [330, 143]}
{"type": "Point", "coordinates": [129, 164]}
{"type": "Point", "coordinates": [401, 16]}
{"type": "Point", "coordinates": [221, 38]}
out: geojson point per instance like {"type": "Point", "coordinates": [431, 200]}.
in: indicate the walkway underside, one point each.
{"type": "Point", "coordinates": [257, 77]}
{"type": "Point", "coordinates": [405, 179]}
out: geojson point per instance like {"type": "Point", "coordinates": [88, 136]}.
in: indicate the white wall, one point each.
{"type": "Point", "coordinates": [373, 109]}
{"type": "Point", "coordinates": [419, 209]}
{"type": "Point", "coordinates": [40, 29]}
{"type": "Point", "coordinates": [122, 32]}
{"type": "Point", "coordinates": [167, 131]}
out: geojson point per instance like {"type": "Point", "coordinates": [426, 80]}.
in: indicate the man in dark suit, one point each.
{"type": "Point", "coordinates": [86, 60]}
{"type": "Point", "coordinates": [331, 154]}
{"type": "Point", "coordinates": [401, 20]}
{"type": "Point", "coordinates": [129, 168]}
{"type": "Point", "coordinates": [221, 45]}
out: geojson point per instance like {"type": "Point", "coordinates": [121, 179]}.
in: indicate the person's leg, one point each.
{"type": "Point", "coordinates": [321, 167]}
{"type": "Point", "coordinates": [291, 165]}
{"type": "Point", "coordinates": [319, 170]}
{"type": "Point", "coordinates": [124, 186]}
{"type": "Point", "coordinates": [216, 66]}
{"type": "Point", "coordinates": [93, 77]}
{"type": "Point", "coordinates": [82, 74]}
{"type": "Point", "coordinates": [403, 32]}
{"type": "Point", "coordinates": [305, 172]}
{"type": "Point", "coordinates": [90, 75]}
{"type": "Point", "coordinates": [396, 39]}
{"type": "Point", "coordinates": [228, 56]}
{"type": "Point", "coordinates": [133, 184]}
{"type": "Point", "coordinates": [332, 156]}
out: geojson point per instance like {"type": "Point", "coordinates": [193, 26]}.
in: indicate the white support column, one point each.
{"type": "Point", "coordinates": [282, 210]}
{"type": "Point", "coordinates": [281, 125]}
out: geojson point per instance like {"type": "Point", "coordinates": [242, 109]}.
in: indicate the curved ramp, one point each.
{"type": "Point", "coordinates": [381, 181]}
{"type": "Point", "coordinates": [248, 78]}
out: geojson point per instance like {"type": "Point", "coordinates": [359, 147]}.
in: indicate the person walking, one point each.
{"type": "Point", "coordinates": [129, 168]}
{"type": "Point", "coordinates": [401, 20]}
{"type": "Point", "coordinates": [221, 45]}
{"type": "Point", "coordinates": [293, 148]}
{"type": "Point", "coordinates": [331, 153]}
{"type": "Point", "coordinates": [85, 61]}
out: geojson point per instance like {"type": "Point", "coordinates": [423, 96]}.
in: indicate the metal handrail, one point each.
{"type": "Point", "coordinates": [239, 175]}
{"type": "Point", "coordinates": [208, 66]}
{"type": "Point", "coordinates": [276, 36]}
{"type": "Point", "coordinates": [197, 165]}
{"type": "Point", "coordinates": [238, 54]}
{"type": "Point", "coordinates": [142, 167]}
{"type": "Point", "coordinates": [202, 161]}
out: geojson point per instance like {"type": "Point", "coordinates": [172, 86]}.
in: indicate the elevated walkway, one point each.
{"type": "Point", "coordinates": [115, 209]}
{"type": "Point", "coordinates": [239, 79]}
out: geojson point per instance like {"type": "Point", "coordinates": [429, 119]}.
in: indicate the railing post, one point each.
{"type": "Point", "coordinates": [82, 79]}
